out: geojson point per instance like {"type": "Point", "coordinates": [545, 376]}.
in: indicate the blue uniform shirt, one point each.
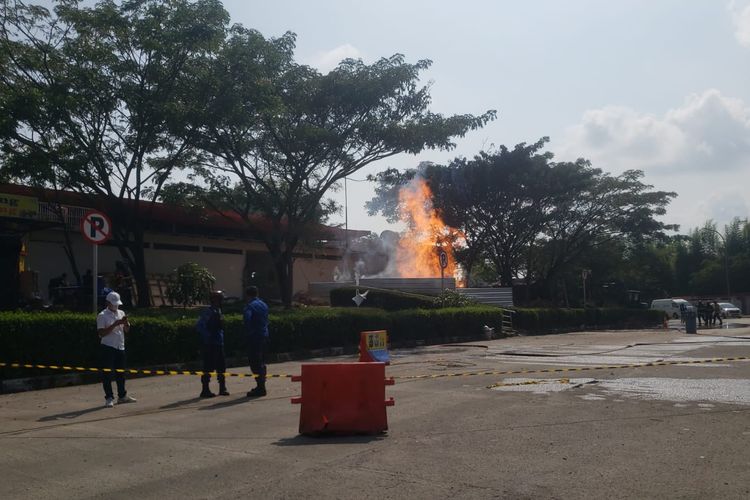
{"type": "Point", "coordinates": [210, 325]}
{"type": "Point", "coordinates": [255, 318]}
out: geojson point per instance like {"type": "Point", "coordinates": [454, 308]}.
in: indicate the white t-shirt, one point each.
{"type": "Point", "coordinates": [115, 338]}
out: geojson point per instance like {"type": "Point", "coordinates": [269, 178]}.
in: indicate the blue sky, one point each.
{"type": "Point", "coordinates": [661, 86]}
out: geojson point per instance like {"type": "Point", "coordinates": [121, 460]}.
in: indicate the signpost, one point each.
{"type": "Point", "coordinates": [97, 228]}
{"type": "Point", "coordinates": [443, 264]}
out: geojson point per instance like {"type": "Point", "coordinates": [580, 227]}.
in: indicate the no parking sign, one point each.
{"type": "Point", "coordinates": [96, 227]}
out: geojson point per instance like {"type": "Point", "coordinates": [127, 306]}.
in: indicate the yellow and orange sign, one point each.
{"type": "Point", "coordinates": [373, 346]}
{"type": "Point", "coordinates": [23, 207]}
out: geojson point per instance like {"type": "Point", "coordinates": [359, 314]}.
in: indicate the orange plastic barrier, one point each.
{"type": "Point", "coordinates": [343, 398]}
{"type": "Point", "coordinates": [373, 347]}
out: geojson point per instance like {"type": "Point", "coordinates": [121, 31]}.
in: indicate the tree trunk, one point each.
{"type": "Point", "coordinates": [284, 265]}
{"type": "Point", "coordinates": [141, 280]}
{"type": "Point", "coordinates": [68, 245]}
{"type": "Point", "coordinates": [506, 275]}
{"type": "Point", "coordinates": [282, 254]}
{"type": "Point", "coordinates": [132, 252]}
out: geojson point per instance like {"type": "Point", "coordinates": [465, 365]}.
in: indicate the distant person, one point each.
{"type": "Point", "coordinates": [87, 280]}
{"type": "Point", "coordinates": [54, 285]}
{"type": "Point", "coordinates": [708, 313]}
{"type": "Point", "coordinates": [683, 310]}
{"type": "Point", "coordinates": [717, 313]}
{"type": "Point", "coordinates": [112, 324]}
{"type": "Point", "coordinates": [211, 328]}
{"type": "Point", "coordinates": [255, 318]}
{"type": "Point", "coordinates": [699, 312]}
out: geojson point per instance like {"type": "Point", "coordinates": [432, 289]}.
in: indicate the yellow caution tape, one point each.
{"type": "Point", "coordinates": [528, 382]}
{"type": "Point", "coordinates": [579, 369]}
{"type": "Point", "coordinates": [402, 377]}
{"type": "Point", "coordinates": [134, 371]}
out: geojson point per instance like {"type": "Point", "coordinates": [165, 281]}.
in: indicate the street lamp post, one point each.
{"type": "Point", "coordinates": [726, 258]}
{"type": "Point", "coordinates": [585, 274]}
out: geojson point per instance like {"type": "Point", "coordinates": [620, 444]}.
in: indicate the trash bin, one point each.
{"type": "Point", "coordinates": [690, 319]}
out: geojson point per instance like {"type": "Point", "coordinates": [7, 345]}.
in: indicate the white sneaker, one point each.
{"type": "Point", "coordinates": [109, 402]}
{"type": "Point", "coordinates": [126, 399]}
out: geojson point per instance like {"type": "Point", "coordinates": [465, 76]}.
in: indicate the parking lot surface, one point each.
{"type": "Point", "coordinates": [595, 428]}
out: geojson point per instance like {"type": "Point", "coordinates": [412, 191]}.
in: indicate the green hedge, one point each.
{"type": "Point", "coordinates": [390, 300]}
{"type": "Point", "coordinates": [543, 320]}
{"type": "Point", "coordinates": [71, 339]}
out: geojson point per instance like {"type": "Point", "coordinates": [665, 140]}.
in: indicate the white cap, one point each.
{"type": "Point", "coordinates": [114, 298]}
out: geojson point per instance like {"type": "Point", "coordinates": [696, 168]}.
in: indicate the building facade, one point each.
{"type": "Point", "coordinates": [44, 240]}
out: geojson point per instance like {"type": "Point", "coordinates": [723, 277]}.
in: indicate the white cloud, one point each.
{"type": "Point", "coordinates": [741, 20]}
{"type": "Point", "coordinates": [724, 206]}
{"type": "Point", "coordinates": [326, 61]}
{"type": "Point", "coordinates": [700, 150]}
{"type": "Point", "coordinates": [709, 133]}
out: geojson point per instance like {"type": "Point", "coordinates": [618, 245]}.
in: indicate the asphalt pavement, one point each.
{"type": "Point", "coordinates": [615, 414]}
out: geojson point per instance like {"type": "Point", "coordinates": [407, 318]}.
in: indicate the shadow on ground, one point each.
{"type": "Point", "coordinates": [70, 414]}
{"type": "Point", "coordinates": [301, 440]}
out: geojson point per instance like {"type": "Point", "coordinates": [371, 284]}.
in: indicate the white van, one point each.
{"type": "Point", "coordinates": [670, 306]}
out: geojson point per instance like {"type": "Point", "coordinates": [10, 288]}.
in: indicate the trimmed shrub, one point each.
{"type": "Point", "coordinates": [544, 320]}
{"type": "Point", "coordinates": [390, 300]}
{"type": "Point", "coordinates": [71, 339]}
{"type": "Point", "coordinates": [452, 298]}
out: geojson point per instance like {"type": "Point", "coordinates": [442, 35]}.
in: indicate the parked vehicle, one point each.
{"type": "Point", "coordinates": [729, 310]}
{"type": "Point", "coordinates": [670, 306]}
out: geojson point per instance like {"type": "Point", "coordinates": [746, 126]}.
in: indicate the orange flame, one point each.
{"type": "Point", "coordinates": [418, 248]}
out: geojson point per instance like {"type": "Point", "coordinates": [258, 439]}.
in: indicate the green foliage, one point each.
{"type": "Point", "coordinates": [529, 216]}
{"type": "Point", "coordinates": [190, 284]}
{"type": "Point", "coordinates": [451, 298]}
{"type": "Point", "coordinates": [71, 339]}
{"type": "Point", "coordinates": [541, 320]}
{"type": "Point", "coordinates": [96, 100]}
{"type": "Point", "coordinates": [309, 132]}
{"type": "Point", "coordinates": [390, 300]}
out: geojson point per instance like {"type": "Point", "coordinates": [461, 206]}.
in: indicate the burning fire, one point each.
{"type": "Point", "coordinates": [418, 249]}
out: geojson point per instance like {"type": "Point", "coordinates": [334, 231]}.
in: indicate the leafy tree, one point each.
{"type": "Point", "coordinates": [95, 100]}
{"type": "Point", "coordinates": [498, 200]}
{"type": "Point", "coordinates": [531, 217]}
{"type": "Point", "coordinates": [596, 208]}
{"type": "Point", "coordinates": [280, 140]}
{"type": "Point", "coordinates": [190, 284]}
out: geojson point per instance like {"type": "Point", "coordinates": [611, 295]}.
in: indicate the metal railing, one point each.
{"type": "Point", "coordinates": [71, 216]}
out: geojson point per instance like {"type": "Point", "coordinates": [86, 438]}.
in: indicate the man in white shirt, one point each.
{"type": "Point", "coordinates": [112, 324]}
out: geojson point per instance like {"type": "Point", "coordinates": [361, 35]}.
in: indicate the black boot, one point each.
{"type": "Point", "coordinates": [222, 385]}
{"type": "Point", "coordinates": [206, 392]}
{"type": "Point", "coordinates": [258, 392]}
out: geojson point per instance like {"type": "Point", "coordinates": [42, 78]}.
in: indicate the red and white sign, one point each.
{"type": "Point", "coordinates": [443, 259]}
{"type": "Point", "coordinates": [96, 227]}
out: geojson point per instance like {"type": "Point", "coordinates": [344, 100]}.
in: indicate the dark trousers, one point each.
{"type": "Point", "coordinates": [214, 361]}
{"type": "Point", "coordinates": [112, 358]}
{"type": "Point", "coordinates": [256, 352]}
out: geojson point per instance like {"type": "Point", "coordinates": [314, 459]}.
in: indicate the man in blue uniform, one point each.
{"type": "Point", "coordinates": [255, 319]}
{"type": "Point", "coordinates": [211, 328]}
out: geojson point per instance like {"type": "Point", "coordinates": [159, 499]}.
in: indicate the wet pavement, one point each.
{"type": "Point", "coordinates": [592, 429]}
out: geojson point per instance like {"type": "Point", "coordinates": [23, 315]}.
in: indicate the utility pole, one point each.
{"type": "Point", "coordinates": [584, 274]}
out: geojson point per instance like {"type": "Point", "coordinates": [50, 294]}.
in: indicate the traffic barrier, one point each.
{"type": "Point", "coordinates": [373, 347]}
{"type": "Point", "coordinates": [343, 398]}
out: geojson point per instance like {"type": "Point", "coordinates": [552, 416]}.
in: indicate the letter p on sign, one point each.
{"type": "Point", "coordinates": [96, 227]}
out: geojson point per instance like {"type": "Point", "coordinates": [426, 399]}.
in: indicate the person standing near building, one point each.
{"type": "Point", "coordinates": [112, 324]}
{"type": "Point", "coordinates": [211, 328]}
{"type": "Point", "coordinates": [699, 312]}
{"type": "Point", "coordinates": [717, 313]}
{"type": "Point", "coordinates": [255, 318]}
